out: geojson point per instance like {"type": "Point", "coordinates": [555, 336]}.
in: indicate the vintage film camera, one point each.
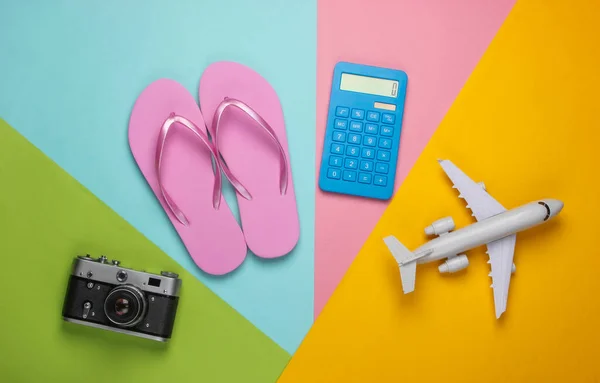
{"type": "Point", "coordinates": [105, 295]}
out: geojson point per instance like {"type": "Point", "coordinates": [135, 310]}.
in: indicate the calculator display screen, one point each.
{"type": "Point", "coordinates": [369, 85]}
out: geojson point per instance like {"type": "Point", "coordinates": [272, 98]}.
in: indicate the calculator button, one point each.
{"type": "Point", "coordinates": [371, 128]}
{"type": "Point", "coordinates": [372, 116]}
{"type": "Point", "coordinates": [370, 141]}
{"type": "Point", "coordinates": [368, 153]}
{"type": "Point", "coordinates": [380, 180]}
{"type": "Point", "coordinates": [339, 136]}
{"type": "Point", "coordinates": [335, 161]}
{"type": "Point", "coordinates": [387, 131]}
{"type": "Point", "coordinates": [365, 165]}
{"type": "Point", "coordinates": [337, 148]}
{"type": "Point", "coordinates": [354, 138]}
{"type": "Point", "coordinates": [349, 176]}
{"type": "Point", "coordinates": [341, 124]}
{"type": "Point", "coordinates": [356, 126]}
{"type": "Point", "coordinates": [352, 151]}
{"type": "Point", "coordinates": [383, 155]}
{"type": "Point", "coordinates": [385, 143]}
{"type": "Point", "coordinates": [364, 178]}
{"type": "Point", "coordinates": [358, 114]}
{"type": "Point", "coordinates": [341, 111]}
{"type": "Point", "coordinates": [351, 163]}
{"type": "Point", "coordinates": [334, 173]}
{"type": "Point", "coordinates": [388, 118]}
{"type": "Point", "coordinates": [381, 168]}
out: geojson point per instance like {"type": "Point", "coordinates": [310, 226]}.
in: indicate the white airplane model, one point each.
{"type": "Point", "coordinates": [496, 227]}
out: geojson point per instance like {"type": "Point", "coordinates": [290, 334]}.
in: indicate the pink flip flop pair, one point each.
{"type": "Point", "coordinates": [247, 143]}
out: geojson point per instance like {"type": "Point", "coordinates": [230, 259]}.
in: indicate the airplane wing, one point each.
{"type": "Point", "coordinates": [501, 254]}
{"type": "Point", "coordinates": [478, 200]}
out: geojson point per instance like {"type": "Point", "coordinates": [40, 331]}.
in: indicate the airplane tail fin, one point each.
{"type": "Point", "coordinates": [402, 254]}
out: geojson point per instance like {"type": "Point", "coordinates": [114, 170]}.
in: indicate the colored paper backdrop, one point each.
{"type": "Point", "coordinates": [437, 43]}
{"type": "Point", "coordinates": [526, 123]}
{"type": "Point", "coordinates": [46, 219]}
{"type": "Point", "coordinates": [71, 71]}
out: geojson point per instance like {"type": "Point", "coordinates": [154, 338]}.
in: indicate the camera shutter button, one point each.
{"type": "Point", "coordinates": [168, 274]}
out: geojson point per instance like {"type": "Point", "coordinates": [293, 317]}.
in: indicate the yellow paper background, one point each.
{"type": "Point", "coordinates": [527, 124]}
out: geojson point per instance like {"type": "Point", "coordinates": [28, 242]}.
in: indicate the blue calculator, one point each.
{"type": "Point", "coordinates": [363, 131]}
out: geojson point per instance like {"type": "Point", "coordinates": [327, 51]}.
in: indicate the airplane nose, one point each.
{"type": "Point", "coordinates": [555, 206]}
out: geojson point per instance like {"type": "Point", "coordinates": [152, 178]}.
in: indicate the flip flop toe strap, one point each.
{"type": "Point", "coordinates": [162, 138]}
{"type": "Point", "coordinates": [283, 162]}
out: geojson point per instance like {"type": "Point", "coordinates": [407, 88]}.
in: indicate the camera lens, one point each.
{"type": "Point", "coordinates": [122, 306]}
{"type": "Point", "coordinates": [125, 306]}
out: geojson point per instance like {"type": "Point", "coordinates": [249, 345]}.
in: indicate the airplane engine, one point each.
{"type": "Point", "coordinates": [441, 226]}
{"type": "Point", "coordinates": [454, 264]}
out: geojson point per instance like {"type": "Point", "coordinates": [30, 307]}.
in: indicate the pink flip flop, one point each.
{"type": "Point", "coordinates": [246, 123]}
{"type": "Point", "coordinates": [168, 139]}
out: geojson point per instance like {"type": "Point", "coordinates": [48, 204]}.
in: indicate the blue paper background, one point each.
{"type": "Point", "coordinates": [70, 72]}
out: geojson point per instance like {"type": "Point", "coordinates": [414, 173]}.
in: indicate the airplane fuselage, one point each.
{"type": "Point", "coordinates": [483, 232]}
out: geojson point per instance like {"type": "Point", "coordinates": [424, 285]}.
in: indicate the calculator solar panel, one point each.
{"type": "Point", "coordinates": [362, 138]}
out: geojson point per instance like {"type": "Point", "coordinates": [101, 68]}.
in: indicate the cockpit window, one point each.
{"type": "Point", "coordinates": [544, 204]}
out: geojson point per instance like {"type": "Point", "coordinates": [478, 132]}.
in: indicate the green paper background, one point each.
{"type": "Point", "coordinates": [47, 218]}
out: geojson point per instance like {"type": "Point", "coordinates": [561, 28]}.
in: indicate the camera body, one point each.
{"type": "Point", "coordinates": [105, 295]}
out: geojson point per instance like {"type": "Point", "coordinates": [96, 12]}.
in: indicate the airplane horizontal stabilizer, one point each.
{"type": "Point", "coordinates": [402, 254]}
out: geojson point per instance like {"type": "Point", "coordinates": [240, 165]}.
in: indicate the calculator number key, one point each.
{"type": "Point", "coordinates": [380, 180]}
{"type": "Point", "coordinates": [370, 141]}
{"type": "Point", "coordinates": [364, 178]}
{"type": "Point", "coordinates": [349, 176]}
{"type": "Point", "coordinates": [387, 131]}
{"type": "Point", "coordinates": [373, 116]}
{"type": "Point", "coordinates": [334, 173]}
{"type": "Point", "coordinates": [337, 148]}
{"type": "Point", "coordinates": [339, 136]}
{"type": "Point", "coordinates": [371, 128]}
{"type": "Point", "coordinates": [340, 124]}
{"type": "Point", "coordinates": [358, 114]}
{"type": "Point", "coordinates": [388, 118]}
{"type": "Point", "coordinates": [335, 161]}
{"type": "Point", "coordinates": [383, 155]}
{"type": "Point", "coordinates": [385, 143]}
{"type": "Point", "coordinates": [342, 111]}
{"type": "Point", "coordinates": [354, 138]}
{"type": "Point", "coordinates": [368, 153]}
{"type": "Point", "coordinates": [352, 151]}
{"type": "Point", "coordinates": [365, 165]}
{"type": "Point", "coordinates": [382, 168]}
{"type": "Point", "coordinates": [356, 126]}
{"type": "Point", "coordinates": [351, 163]}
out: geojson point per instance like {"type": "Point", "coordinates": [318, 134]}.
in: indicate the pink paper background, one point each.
{"type": "Point", "coordinates": [437, 43]}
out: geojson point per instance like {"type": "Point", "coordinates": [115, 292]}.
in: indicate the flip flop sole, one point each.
{"type": "Point", "coordinates": [270, 220]}
{"type": "Point", "coordinates": [213, 238]}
